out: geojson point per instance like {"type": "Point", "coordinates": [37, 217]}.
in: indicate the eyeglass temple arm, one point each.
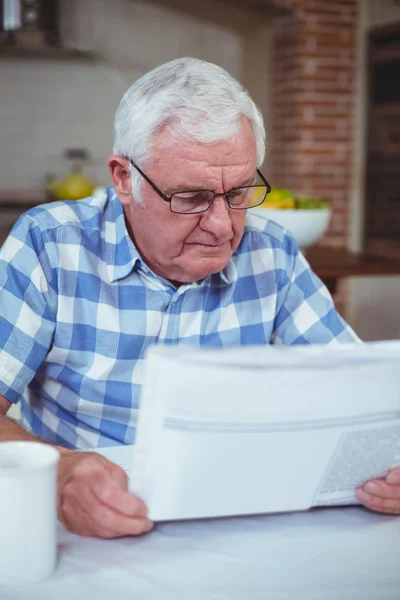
{"type": "Point", "coordinates": [269, 188]}
{"type": "Point", "coordinates": [155, 188]}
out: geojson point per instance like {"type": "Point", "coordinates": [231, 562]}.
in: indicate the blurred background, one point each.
{"type": "Point", "coordinates": [325, 73]}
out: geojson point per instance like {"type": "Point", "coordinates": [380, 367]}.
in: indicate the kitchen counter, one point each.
{"type": "Point", "coordinates": [333, 264]}
{"type": "Point", "coordinates": [15, 202]}
{"type": "Point", "coordinates": [21, 199]}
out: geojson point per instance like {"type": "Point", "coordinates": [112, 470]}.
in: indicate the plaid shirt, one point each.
{"type": "Point", "coordinates": [79, 307]}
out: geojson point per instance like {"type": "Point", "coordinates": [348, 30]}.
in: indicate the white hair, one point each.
{"type": "Point", "coordinates": [198, 100]}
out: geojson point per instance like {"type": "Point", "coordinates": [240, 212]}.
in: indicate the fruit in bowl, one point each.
{"type": "Point", "coordinates": [305, 217]}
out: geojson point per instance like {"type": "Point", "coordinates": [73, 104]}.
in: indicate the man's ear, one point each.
{"type": "Point", "coordinates": [121, 177]}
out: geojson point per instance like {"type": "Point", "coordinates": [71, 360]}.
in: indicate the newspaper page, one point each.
{"type": "Point", "coordinates": [263, 429]}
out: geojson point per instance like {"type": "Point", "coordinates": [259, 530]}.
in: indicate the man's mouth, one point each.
{"type": "Point", "coordinates": [207, 245]}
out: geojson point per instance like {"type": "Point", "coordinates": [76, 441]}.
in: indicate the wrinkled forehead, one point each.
{"type": "Point", "coordinates": [173, 144]}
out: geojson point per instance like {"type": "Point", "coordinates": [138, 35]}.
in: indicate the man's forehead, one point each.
{"type": "Point", "coordinates": [194, 175]}
{"type": "Point", "coordinates": [233, 158]}
{"type": "Point", "coordinates": [178, 145]}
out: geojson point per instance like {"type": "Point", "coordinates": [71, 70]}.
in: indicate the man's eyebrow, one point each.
{"type": "Point", "coordinates": [185, 188]}
{"type": "Point", "coordinates": [192, 188]}
{"type": "Point", "coordinates": [249, 181]}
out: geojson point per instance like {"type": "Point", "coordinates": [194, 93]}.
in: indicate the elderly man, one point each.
{"type": "Point", "coordinates": [171, 254]}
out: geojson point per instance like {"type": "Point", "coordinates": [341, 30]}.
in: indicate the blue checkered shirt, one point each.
{"type": "Point", "coordinates": [79, 308]}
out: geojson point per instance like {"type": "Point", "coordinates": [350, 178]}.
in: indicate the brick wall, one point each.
{"type": "Point", "coordinates": [314, 88]}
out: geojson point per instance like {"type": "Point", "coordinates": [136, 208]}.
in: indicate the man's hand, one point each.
{"type": "Point", "coordinates": [382, 495]}
{"type": "Point", "coordinates": [93, 498]}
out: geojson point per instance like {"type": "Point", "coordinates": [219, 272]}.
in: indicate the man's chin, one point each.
{"type": "Point", "coordinates": [204, 267]}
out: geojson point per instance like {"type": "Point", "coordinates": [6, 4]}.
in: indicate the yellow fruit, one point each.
{"type": "Point", "coordinates": [288, 203]}
{"type": "Point", "coordinates": [72, 187]}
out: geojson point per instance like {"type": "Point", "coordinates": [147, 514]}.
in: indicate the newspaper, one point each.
{"type": "Point", "coordinates": [264, 429]}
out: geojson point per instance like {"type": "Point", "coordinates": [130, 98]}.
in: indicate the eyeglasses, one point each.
{"type": "Point", "coordinates": [192, 202]}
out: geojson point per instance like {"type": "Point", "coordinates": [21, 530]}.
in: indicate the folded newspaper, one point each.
{"type": "Point", "coordinates": [264, 429]}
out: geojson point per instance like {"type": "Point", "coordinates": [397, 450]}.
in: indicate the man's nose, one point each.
{"type": "Point", "coordinates": [217, 219]}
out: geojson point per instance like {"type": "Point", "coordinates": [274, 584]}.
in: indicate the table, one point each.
{"type": "Point", "coordinates": [333, 264]}
{"type": "Point", "coordinates": [330, 554]}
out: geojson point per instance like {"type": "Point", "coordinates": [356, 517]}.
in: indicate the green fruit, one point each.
{"type": "Point", "coordinates": [308, 203]}
{"type": "Point", "coordinates": [285, 198]}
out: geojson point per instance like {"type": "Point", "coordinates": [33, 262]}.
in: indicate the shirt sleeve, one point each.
{"type": "Point", "coordinates": [307, 314]}
{"type": "Point", "coordinates": [28, 301]}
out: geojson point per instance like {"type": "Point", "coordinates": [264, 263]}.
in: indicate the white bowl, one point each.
{"type": "Point", "coordinates": [307, 226]}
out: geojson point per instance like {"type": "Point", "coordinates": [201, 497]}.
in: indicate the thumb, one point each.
{"type": "Point", "coordinates": [118, 475]}
{"type": "Point", "coordinates": [394, 476]}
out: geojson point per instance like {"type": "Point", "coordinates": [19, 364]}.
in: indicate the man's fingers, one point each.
{"type": "Point", "coordinates": [119, 475]}
{"type": "Point", "coordinates": [109, 492]}
{"type": "Point", "coordinates": [393, 477]}
{"type": "Point", "coordinates": [74, 518]}
{"type": "Point", "coordinates": [94, 499]}
{"type": "Point", "coordinates": [379, 487]}
{"type": "Point", "coordinates": [116, 523]}
{"type": "Point", "coordinates": [379, 503]}
{"type": "Point", "coordinates": [101, 522]}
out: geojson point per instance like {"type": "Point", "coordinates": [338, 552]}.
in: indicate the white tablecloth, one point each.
{"type": "Point", "coordinates": [324, 554]}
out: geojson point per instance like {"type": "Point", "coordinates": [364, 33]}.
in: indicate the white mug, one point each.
{"type": "Point", "coordinates": [28, 511]}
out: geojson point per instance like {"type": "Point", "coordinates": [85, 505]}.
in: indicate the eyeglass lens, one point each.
{"type": "Point", "coordinates": [239, 198]}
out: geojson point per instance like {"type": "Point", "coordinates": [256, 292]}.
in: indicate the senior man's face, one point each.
{"type": "Point", "coordinates": [187, 248]}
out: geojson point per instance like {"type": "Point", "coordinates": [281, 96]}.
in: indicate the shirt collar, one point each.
{"type": "Point", "coordinates": [121, 254]}
{"type": "Point", "coordinates": [229, 274]}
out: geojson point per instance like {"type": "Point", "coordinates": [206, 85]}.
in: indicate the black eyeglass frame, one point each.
{"type": "Point", "coordinates": [225, 194]}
